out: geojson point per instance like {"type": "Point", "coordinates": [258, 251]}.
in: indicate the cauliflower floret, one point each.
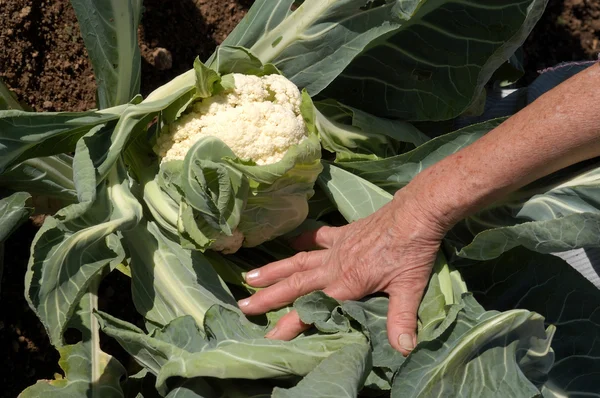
{"type": "Point", "coordinates": [259, 119]}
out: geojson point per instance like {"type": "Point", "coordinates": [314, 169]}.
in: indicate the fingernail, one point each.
{"type": "Point", "coordinates": [271, 333]}
{"type": "Point", "coordinates": [244, 302]}
{"type": "Point", "coordinates": [252, 275]}
{"type": "Point", "coordinates": [406, 342]}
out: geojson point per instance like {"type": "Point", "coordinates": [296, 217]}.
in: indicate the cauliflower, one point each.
{"type": "Point", "coordinates": [220, 203]}
{"type": "Point", "coordinates": [259, 119]}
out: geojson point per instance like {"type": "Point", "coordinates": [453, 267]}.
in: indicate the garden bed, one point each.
{"type": "Point", "coordinates": [43, 59]}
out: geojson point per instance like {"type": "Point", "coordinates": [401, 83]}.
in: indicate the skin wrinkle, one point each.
{"type": "Point", "coordinates": [393, 250]}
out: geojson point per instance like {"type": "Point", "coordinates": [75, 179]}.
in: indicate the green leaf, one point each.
{"type": "Point", "coordinates": [395, 172]}
{"type": "Point", "coordinates": [168, 101]}
{"type": "Point", "coordinates": [27, 135]}
{"type": "Point", "coordinates": [487, 354]}
{"type": "Point", "coordinates": [227, 59]}
{"type": "Point", "coordinates": [420, 71]}
{"type": "Point", "coordinates": [73, 248]}
{"type": "Point", "coordinates": [223, 324]}
{"type": "Point", "coordinates": [214, 188]}
{"type": "Point", "coordinates": [372, 316]}
{"type": "Point", "coordinates": [169, 281]}
{"type": "Point", "coordinates": [206, 79]}
{"type": "Point", "coordinates": [342, 374]}
{"type": "Point", "coordinates": [555, 214]}
{"type": "Point", "coordinates": [85, 376]}
{"type": "Point", "coordinates": [323, 311]}
{"type": "Point", "coordinates": [354, 134]}
{"type": "Point", "coordinates": [48, 176]}
{"type": "Point", "coordinates": [293, 41]}
{"type": "Point", "coordinates": [354, 197]}
{"type": "Point", "coordinates": [548, 285]}
{"type": "Point", "coordinates": [110, 29]}
{"type": "Point", "coordinates": [13, 211]}
{"type": "Point", "coordinates": [193, 388]}
{"type": "Point", "coordinates": [256, 358]}
{"type": "Point", "coordinates": [407, 57]}
{"type": "Point", "coordinates": [153, 351]}
{"type": "Point", "coordinates": [259, 358]}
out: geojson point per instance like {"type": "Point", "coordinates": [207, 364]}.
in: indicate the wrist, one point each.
{"type": "Point", "coordinates": [423, 216]}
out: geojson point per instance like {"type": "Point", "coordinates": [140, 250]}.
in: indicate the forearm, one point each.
{"type": "Point", "coordinates": [559, 129]}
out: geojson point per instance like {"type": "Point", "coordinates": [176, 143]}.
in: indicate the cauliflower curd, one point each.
{"type": "Point", "coordinates": [259, 119]}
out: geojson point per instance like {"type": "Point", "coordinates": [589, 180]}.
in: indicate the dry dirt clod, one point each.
{"type": "Point", "coordinates": [25, 11]}
{"type": "Point", "coordinates": [163, 60]}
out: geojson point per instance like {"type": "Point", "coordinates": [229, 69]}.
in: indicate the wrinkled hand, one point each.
{"type": "Point", "coordinates": [391, 251]}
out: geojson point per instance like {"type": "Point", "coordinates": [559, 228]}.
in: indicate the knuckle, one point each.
{"type": "Point", "coordinates": [300, 261]}
{"type": "Point", "coordinates": [323, 234]}
{"type": "Point", "coordinates": [403, 318]}
{"type": "Point", "coordinates": [296, 283]}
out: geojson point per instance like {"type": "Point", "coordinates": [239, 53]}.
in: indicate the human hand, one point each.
{"type": "Point", "coordinates": [391, 251]}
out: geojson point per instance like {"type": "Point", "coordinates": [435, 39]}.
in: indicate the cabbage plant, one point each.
{"type": "Point", "coordinates": [369, 72]}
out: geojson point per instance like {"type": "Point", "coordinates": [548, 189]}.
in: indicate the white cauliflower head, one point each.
{"type": "Point", "coordinates": [223, 203]}
{"type": "Point", "coordinates": [259, 119]}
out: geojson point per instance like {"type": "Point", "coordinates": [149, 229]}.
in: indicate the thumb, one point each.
{"type": "Point", "coordinates": [402, 317]}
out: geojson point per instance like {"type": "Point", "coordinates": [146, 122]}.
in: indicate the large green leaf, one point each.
{"type": "Point", "coordinates": [110, 30]}
{"type": "Point", "coordinates": [168, 101]}
{"type": "Point", "coordinates": [406, 56]}
{"type": "Point", "coordinates": [352, 133]}
{"type": "Point", "coordinates": [27, 135]}
{"type": "Point", "coordinates": [193, 388]}
{"type": "Point", "coordinates": [169, 281]}
{"type": "Point", "coordinates": [436, 63]}
{"type": "Point", "coordinates": [546, 284]}
{"type": "Point", "coordinates": [85, 376]}
{"type": "Point", "coordinates": [554, 214]}
{"type": "Point", "coordinates": [89, 371]}
{"type": "Point", "coordinates": [13, 211]}
{"type": "Point", "coordinates": [484, 354]}
{"type": "Point", "coordinates": [322, 311]}
{"type": "Point", "coordinates": [255, 358]}
{"type": "Point", "coordinates": [353, 196]}
{"type": "Point", "coordinates": [313, 44]}
{"type": "Point", "coordinates": [395, 172]}
{"type": "Point", "coordinates": [48, 176]}
{"type": "Point", "coordinates": [342, 374]}
{"type": "Point", "coordinates": [73, 248]}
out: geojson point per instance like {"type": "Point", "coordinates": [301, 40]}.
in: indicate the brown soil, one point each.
{"type": "Point", "coordinates": [42, 58]}
{"type": "Point", "coordinates": [568, 31]}
{"type": "Point", "coordinates": [44, 61]}
{"type": "Point", "coordinates": [174, 33]}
